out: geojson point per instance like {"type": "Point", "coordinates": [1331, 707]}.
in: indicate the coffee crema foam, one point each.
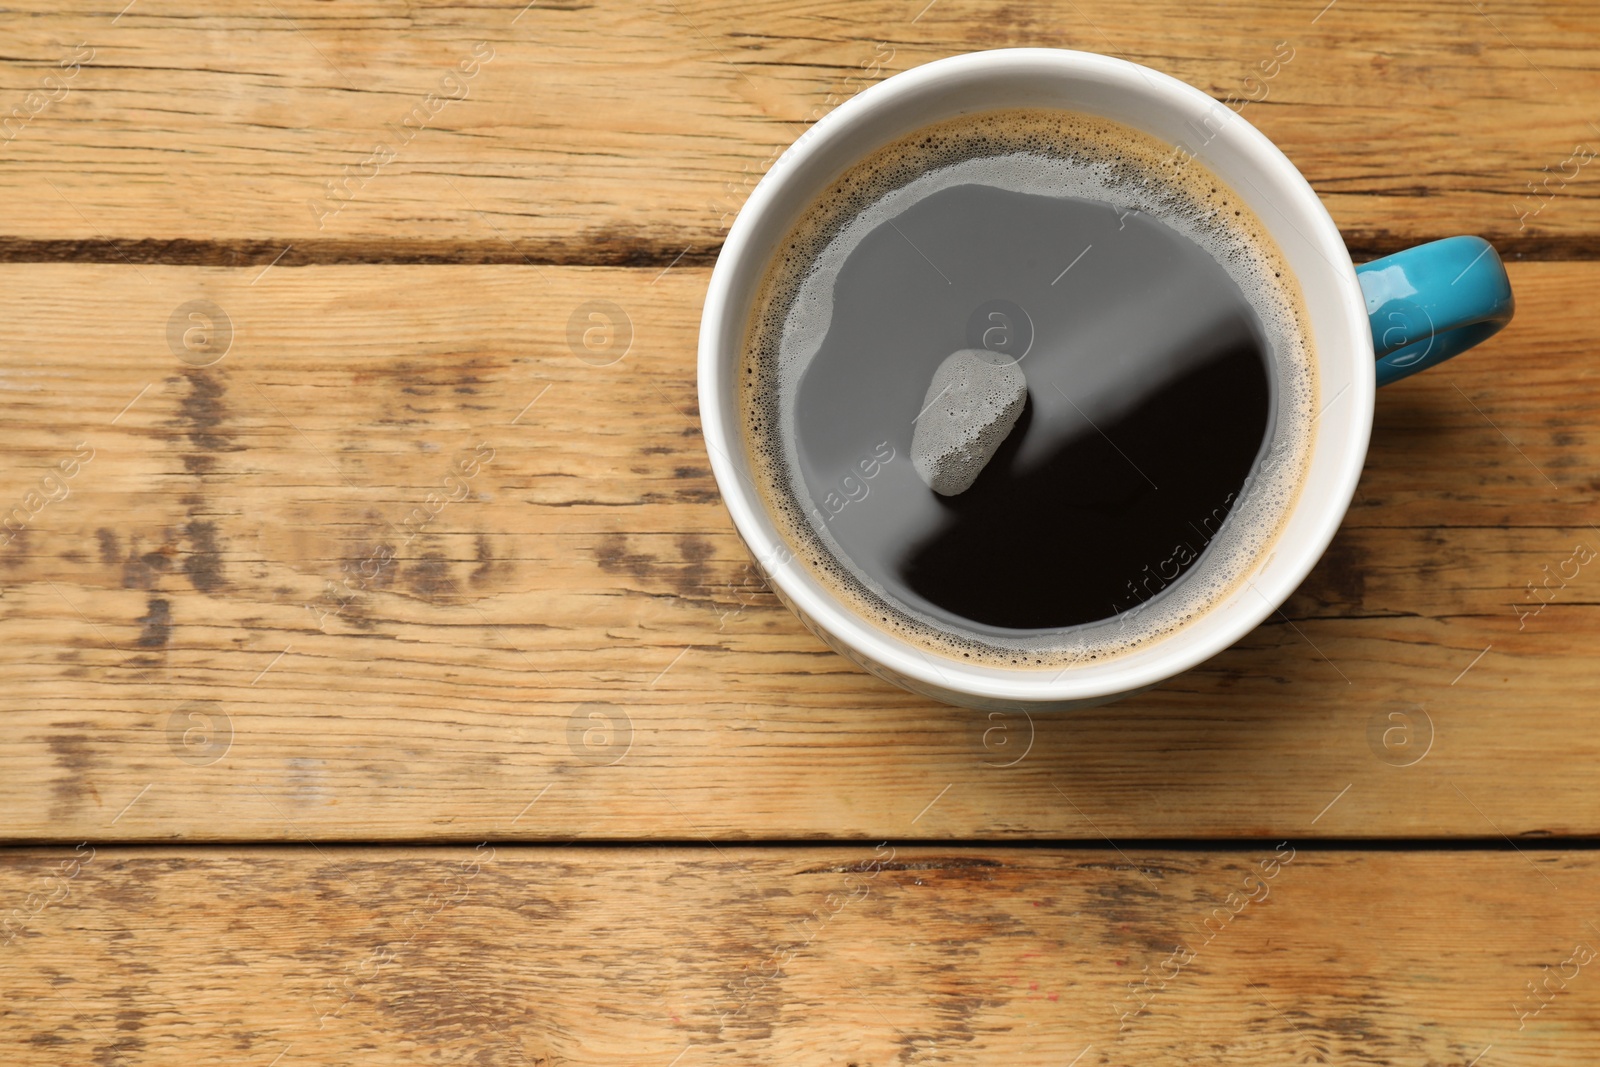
{"type": "Point", "coordinates": [1049, 152]}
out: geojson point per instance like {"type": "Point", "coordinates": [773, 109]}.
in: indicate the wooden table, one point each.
{"type": "Point", "coordinates": [384, 683]}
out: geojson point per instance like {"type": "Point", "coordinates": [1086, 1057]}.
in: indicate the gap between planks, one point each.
{"type": "Point", "coordinates": [601, 251]}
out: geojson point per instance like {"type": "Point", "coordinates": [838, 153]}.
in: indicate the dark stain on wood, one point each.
{"type": "Point", "coordinates": [465, 377]}
{"type": "Point", "coordinates": [1026, 25]}
{"type": "Point", "coordinates": [72, 756]}
{"type": "Point", "coordinates": [1143, 868]}
{"type": "Point", "coordinates": [203, 565]}
{"type": "Point", "coordinates": [429, 576]}
{"type": "Point", "coordinates": [702, 489]}
{"type": "Point", "coordinates": [111, 1055]}
{"type": "Point", "coordinates": [1123, 900]}
{"type": "Point", "coordinates": [110, 547]}
{"type": "Point", "coordinates": [696, 551]}
{"type": "Point", "coordinates": [707, 495]}
{"type": "Point", "coordinates": [484, 553]}
{"type": "Point", "coordinates": [16, 549]}
{"type": "Point", "coordinates": [614, 558]}
{"type": "Point", "coordinates": [141, 570]}
{"type": "Point", "coordinates": [613, 246]}
{"type": "Point", "coordinates": [354, 612]}
{"type": "Point", "coordinates": [155, 624]}
{"type": "Point", "coordinates": [489, 568]}
{"type": "Point", "coordinates": [203, 411]}
{"type": "Point", "coordinates": [375, 566]}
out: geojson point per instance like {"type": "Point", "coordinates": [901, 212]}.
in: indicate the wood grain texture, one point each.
{"type": "Point", "coordinates": [301, 545]}
{"type": "Point", "coordinates": [266, 608]}
{"type": "Point", "coordinates": [886, 955]}
{"type": "Point", "coordinates": [229, 133]}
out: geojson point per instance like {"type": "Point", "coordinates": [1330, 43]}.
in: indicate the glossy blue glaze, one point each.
{"type": "Point", "coordinates": [1432, 302]}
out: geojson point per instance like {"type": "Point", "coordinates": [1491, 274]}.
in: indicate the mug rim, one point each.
{"type": "Point", "coordinates": [827, 613]}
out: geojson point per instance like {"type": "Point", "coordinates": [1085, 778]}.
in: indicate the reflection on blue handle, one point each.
{"type": "Point", "coordinates": [1432, 302]}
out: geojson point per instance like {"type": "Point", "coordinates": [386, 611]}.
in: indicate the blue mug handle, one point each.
{"type": "Point", "coordinates": [1432, 302]}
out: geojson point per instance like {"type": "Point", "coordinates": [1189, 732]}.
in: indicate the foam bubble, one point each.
{"type": "Point", "coordinates": [971, 405]}
{"type": "Point", "coordinates": [1046, 152]}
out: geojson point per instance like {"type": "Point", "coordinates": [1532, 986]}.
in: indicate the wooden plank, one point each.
{"type": "Point", "coordinates": [235, 132]}
{"type": "Point", "coordinates": [238, 619]}
{"type": "Point", "coordinates": [866, 955]}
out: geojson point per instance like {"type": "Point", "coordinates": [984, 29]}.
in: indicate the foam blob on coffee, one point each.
{"type": "Point", "coordinates": [970, 407]}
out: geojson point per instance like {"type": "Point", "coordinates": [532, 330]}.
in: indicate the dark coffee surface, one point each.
{"type": "Point", "coordinates": [1149, 400]}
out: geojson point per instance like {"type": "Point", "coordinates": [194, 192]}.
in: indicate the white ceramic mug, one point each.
{"type": "Point", "coordinates": [1344, 325]}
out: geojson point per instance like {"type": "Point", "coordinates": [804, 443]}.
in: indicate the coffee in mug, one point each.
{"type": "Point", "coordinates": [1027, 388]}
